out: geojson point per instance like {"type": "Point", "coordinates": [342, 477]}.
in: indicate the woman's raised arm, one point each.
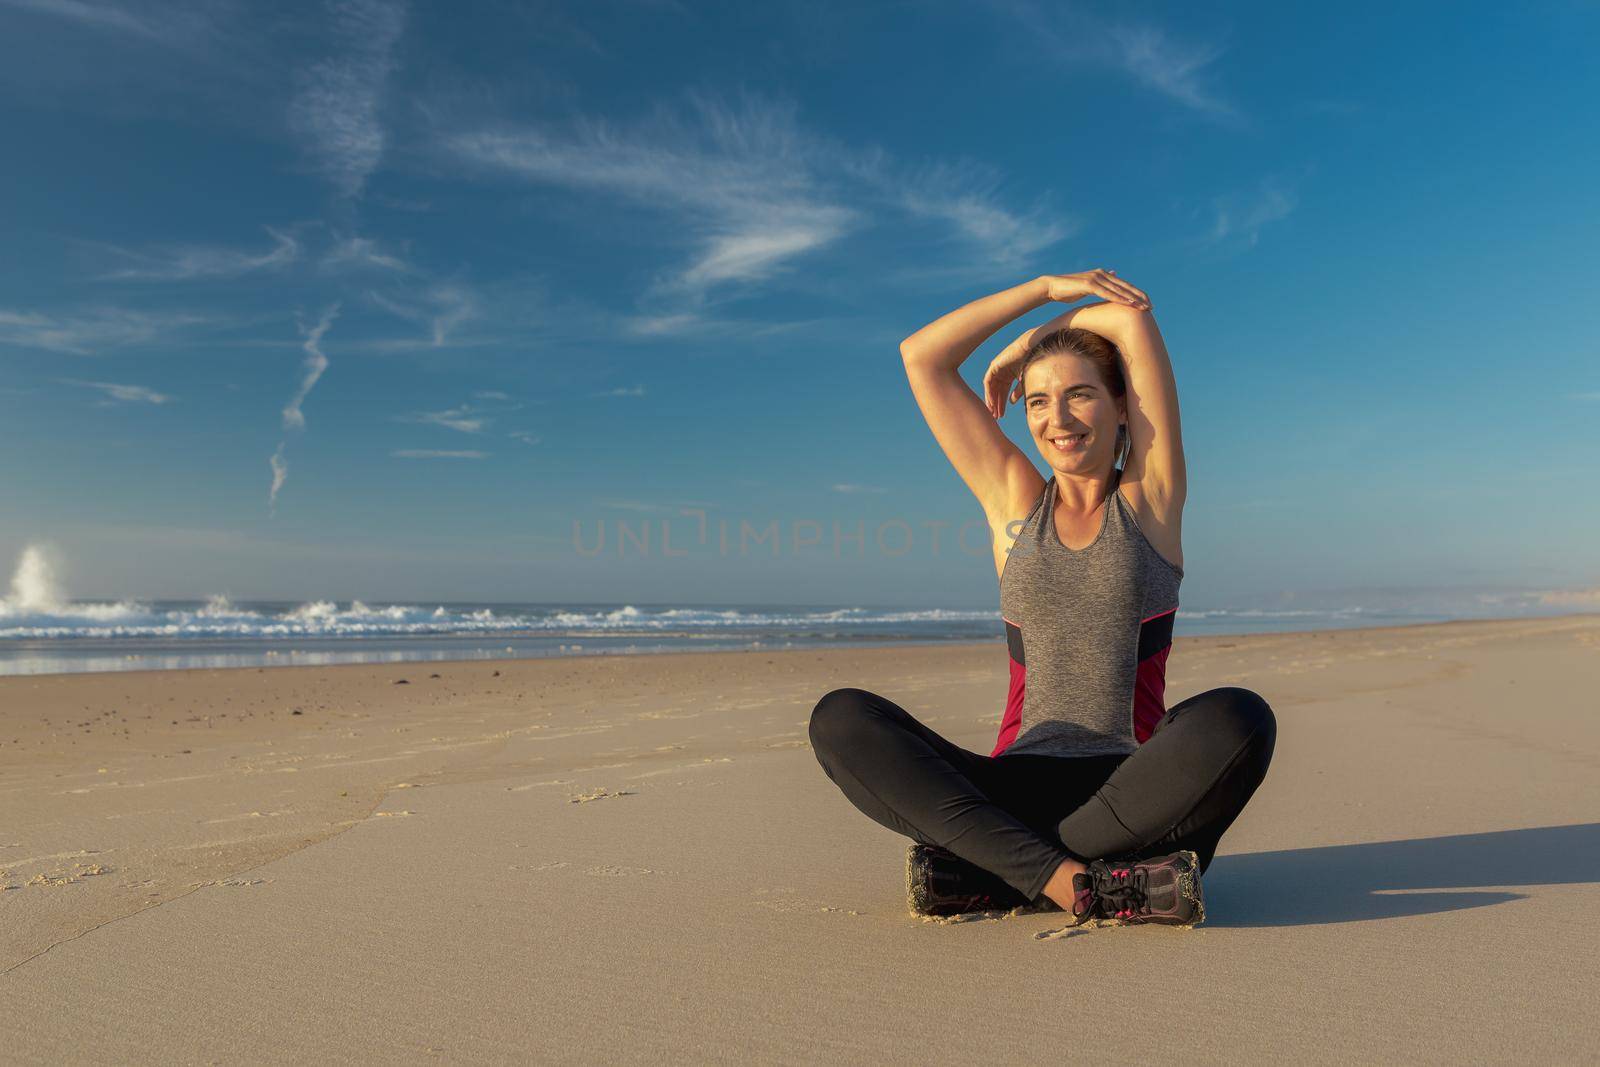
{"type": "Point", "coordinates": [972, 440]}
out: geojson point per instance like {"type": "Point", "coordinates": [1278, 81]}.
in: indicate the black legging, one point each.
{"type": "Point", "coordinates": [1020, 815]}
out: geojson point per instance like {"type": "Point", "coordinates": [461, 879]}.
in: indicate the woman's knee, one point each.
{"type": "Point", "coordinates": [1252, 712]}
{"type": "Point", "coordinates": [838, 717]}
{"type": "Point", "coordinates": [1242, 713]}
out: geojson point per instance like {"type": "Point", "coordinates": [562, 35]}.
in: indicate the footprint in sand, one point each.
{"type": "Point", "coordinates": [79, 872]}
{"type": "Point", "coordinates": [387, 814]}
{"type": "Point", "coordinates": [539, 866]}
{"type": "Point", "coordinates": [1058, 935]}
{"type": "Point", "coordinates": [789, 905]}
{"type": "Point", "coordinates": [608, 871]}
{"type": "Point", "coordinates": [246, 815]}
{"type": "Point", "coordinates": [599, 794]}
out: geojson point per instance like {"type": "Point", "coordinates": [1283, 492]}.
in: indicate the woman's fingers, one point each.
{"type": "Point", "coordinates": [1128, 290]}
{"type": "Point", "coordinates": [995, 387]}
{"type": "Point", "coordinates": [1102, 282]}
{"type": "Point", "coordinates": [1121, 292]}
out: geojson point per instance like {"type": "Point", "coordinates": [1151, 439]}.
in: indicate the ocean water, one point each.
{"type": "Point", "coordinates": [39, 635]}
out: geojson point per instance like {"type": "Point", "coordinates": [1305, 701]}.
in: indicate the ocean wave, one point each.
{"type": "Point", "coordinates": [219, 618]}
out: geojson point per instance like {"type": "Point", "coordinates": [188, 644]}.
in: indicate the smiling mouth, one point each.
{"type": "Point", "coordinates": [1071, 442]}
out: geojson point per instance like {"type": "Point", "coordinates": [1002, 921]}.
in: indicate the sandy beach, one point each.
{"type": "Point", "coordinates": [631, 859]}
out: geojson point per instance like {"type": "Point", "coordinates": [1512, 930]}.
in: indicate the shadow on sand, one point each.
{"type": "Point", "coordinates": [1388, 879]}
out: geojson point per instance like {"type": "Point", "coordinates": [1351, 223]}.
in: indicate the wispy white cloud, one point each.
{"type": "Point", "coordinates": [316, 362]}
{"type": "Point", "coordinates": [337, 108]}
{"type": "Point", "coordinates": [524, 436]}
{"type": "Point", "coordinates": [622, 390]}
{"type": "Point", "coordinates": [357, 252]}
{"type": "Point", "coordinates": [461, 419]}
{"type": "Point", "coordinates": [1140, 49]}
{"type": "Point", "coordinates": [435, 453]}
{"type": "Point", "coordinates": [280, 475]}
{"type": "Point", "coordinates": [186, 262]}
{"type": "Point", "coordinates": [115, 392]}
{"type": "Point", "coordinates": [685, 324]}
{"type": "Point", "coordinates": [1244, 215]}
{"type": "Point", "coordinates": [1586, 396]}
{"type": "Point", "coordinates": [455, 305]}
{"type": "Point", "coordinates": [846, 487]}
{"type": "Point", "coordinates": [475, 417]}
{"type": "Point", "coordinates": [740, 180]}
{"type": "Point", "coordinates": [662, 325]}
{"type": "Point", "coordinates": [85, 332]}
{"type": "Point", "coordinates": [966, 195]}
{"type": "Point", "coordinates": [159, 23]}
{"type": "Point", "coordinates": [441, 307]}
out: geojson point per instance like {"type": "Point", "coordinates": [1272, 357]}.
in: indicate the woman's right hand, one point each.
{"type": "Point", "coordinates": [1065, 288]}
{"type": "Point", "coordinates": [1000, 380]}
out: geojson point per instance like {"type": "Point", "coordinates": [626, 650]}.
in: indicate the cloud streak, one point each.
{"type": "Point", "coordinates": [1143, 51]}
{"type": "Point", "coordinates": [294, 419]}
{"type": "Point", "coordinates": [1246, 215]}
{"type": "Point", "coordinates": [337, 106]}
{"type": "Point", "coordinates": [353, 251]}
{"type": "Point", "coordinates": [188, 262]}
{"type": "Point", "coordinates": [84, 333]}
{"type": "Point", "coordinates": [316, 363]}
{"type": "Point", "coordinates": [461, 419]}
{"type": "Point", "coordinates": [739, 180]}
{"type": "Point", "coordinates": [115, 392]}
{"type": "Point", "coordinates": [441, 308]}
{"type": "Point", "coordinates": [167, 27]}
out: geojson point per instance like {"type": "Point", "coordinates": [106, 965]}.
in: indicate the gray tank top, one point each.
{"type": "Point", "coordinates": [1087, 632]}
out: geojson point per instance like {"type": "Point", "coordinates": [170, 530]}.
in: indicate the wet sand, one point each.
{"type": "Point", "coordinates": [625, 859]}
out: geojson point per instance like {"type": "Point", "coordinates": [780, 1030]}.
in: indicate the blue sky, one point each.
{"type": "Point", "coordinates": [457, 277]}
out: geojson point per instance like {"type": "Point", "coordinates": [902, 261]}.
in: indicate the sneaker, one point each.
{"type": "Point", "coordinates": [938, 882]}
{"type": "Point", "coordinates": [1164, 890]}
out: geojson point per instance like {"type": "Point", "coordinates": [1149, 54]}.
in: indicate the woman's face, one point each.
{"type": "Point", "coordinates": [1072, 415]}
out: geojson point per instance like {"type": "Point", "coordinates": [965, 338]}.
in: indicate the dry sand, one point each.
{"type": "Point", "coordinates": [636, 859]}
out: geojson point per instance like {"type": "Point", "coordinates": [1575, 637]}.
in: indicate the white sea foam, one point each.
{"type": "Point", "coordinates": [38, 609]}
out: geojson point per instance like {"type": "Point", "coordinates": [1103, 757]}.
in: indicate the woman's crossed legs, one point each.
{"type": "Point", "coordinates": [1021, 815]}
